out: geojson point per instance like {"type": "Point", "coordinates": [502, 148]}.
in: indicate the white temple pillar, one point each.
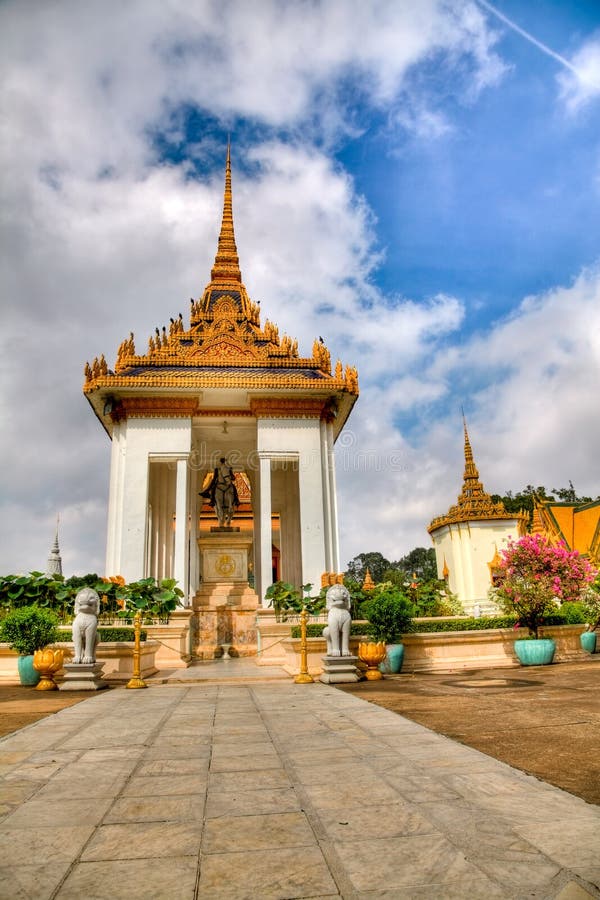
{"type": "Point", "coordinates": [312, 534]}
{"type": "Point", "coordinates": [326, 497]}
{"type": "Point", "coordinates": [180, 556]}
{"type": "Point", "coordinates": [333, 518]}
{"type": "Point", "coordinates": [115, 500]}
{"type": "Point", "coordinates": [265, 575]}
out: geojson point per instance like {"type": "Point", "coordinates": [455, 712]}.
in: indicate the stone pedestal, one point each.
{"type": "Point", "coordinates": [339, 669]}
{"type": "Point", "coordinates": [83, 677]}
{"type": "Point", "coordinates": [224, 605]}
{"type": "Point", "coordinates": [224, 555]}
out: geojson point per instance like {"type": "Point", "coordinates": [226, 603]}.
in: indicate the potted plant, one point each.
{"type": "Point", "coordinates": [535, 577]}
{"type": "Point", "coordinates": [27, 629]}
{"type": "Point", "coordinates": [591, 608]}
{"type": "Point", "coordinates": [389, 614]}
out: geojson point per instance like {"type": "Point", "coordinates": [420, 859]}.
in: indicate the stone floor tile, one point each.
{"type": "Point", "coordinates": [230, 782]}
{"type": "Point", "coordinates": [382, 820]}
{"type": "Point", "coordinates": [345, 772]}
{"type": "Point", "coordinates": [165, 784]}
{"type": "Point", "coordinates": [249, 763]}
{"type": "Point", "coordinates": [469, 887]}
{"type": "Point", "coordinates": [172, 879]}
{"type": "Point", "coordinates": [25, 882]}
{"type": "Point", "coordinates": [17, 845]}
{"type": "Point", "coordinates": [13, 757]}
{"type": "Point", "coordinates": [428, 859]}
{"type": "Point", "coordinates": [82, 788]}
{"type": "Point", "coordinates": [196, 765]}
{"type": "Point", "coordinates": [268, 875]}
{"type": "Point", "coordinates": [14, 792]}
{"type": "Point", "coordinates": [143, 840]}
{"type": "Point", "coordinates": [421, 788]}
{"type": "Point", "coordinates": [109, 754]}
{"type": "Point", "coordinates": [235, 833]}
{"type": "Point", "coordinates": [254, 748]}
{"type": "Point", "coordinates": [157, 809]}
{"type": "Point", "coordinates": [40, 813]}
{"type": "Point", "coordinates": [248, 803]}
{"type": "Point", "coordinates": [175, 751]}
{"type": "Point", "coordinates": [579, 844]}
{"type": "Point", "coordinates": [350, 794]}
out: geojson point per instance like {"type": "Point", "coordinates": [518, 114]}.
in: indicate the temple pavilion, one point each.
{"type": "Point", "coordinates": [468, 538]}
{"type": "Point", "coordinates": [227, 385]}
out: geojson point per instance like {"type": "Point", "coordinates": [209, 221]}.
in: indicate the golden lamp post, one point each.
{"type": "Point", "coordinates": [136, 680]}
{"type": "Point", "coordinates": [304, 676]}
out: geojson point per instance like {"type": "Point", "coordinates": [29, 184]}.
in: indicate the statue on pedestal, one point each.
{"type": "Point", "coordinates": [337, 630]}
{"type": "Point", "coordinates": [222, 493]}
{"type": "Point", "coordinates": [85, 626]}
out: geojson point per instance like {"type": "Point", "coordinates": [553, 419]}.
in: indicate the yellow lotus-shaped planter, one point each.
{"type": "Point", "coordinates": [47, 662]}
{"type": "Point", "coordinates": [372, 654]}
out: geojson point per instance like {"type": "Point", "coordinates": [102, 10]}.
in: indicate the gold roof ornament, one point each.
{"type": "Point", "coordinates": [224, 345]}
{"type": "Point", "coordinates": [474, 503]}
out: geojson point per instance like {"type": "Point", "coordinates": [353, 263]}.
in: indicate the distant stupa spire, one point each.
{"type": "Point", "coordinates": [227, 264]}
{"type": "Point", "coordinates": [54, 564]}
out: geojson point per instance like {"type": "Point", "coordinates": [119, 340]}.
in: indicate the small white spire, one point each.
{"type": "Point", "coordinates": [54, 565]}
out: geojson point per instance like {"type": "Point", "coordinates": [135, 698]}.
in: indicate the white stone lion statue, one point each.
{"type": "Point", "coordinates": [337, 630]}
{"type": "Point", "coordinates": [85, 626]}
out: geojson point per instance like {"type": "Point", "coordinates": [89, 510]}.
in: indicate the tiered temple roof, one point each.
{"type": "Point", "coordinates": [224, 345]}
{"type": "Point", "coordinates": [474, 503]}
{"type": "Point", "coordinates": [577, 525]}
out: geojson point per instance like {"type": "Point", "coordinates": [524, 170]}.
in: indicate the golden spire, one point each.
{"type": "Point", "coordinates": [473, 501]}
{"type": "Point", "coordinates": [471, 482]}
{"type": "Point", "coordinates": [368, 584]}
{"type": "Point", "coordinates": [227, 264]}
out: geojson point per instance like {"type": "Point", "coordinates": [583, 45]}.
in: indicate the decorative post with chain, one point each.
{"type": "Point", "coordinates": [303, 677]}
{"type": "Point", "coordinates": [136, 680]}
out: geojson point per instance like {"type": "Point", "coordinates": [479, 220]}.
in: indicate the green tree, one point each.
{"type": "Point", "coordinates": [376, 563]}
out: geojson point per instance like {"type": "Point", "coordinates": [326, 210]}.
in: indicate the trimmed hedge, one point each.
{"type": "Point", "coordinates": [483, 623]}
{"type": "Point", "coordinates": [106, 635]}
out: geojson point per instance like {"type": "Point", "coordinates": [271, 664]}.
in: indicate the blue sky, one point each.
{"type": "Point", "coordinates": [420, 183]}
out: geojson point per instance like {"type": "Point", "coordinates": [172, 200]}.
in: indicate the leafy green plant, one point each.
{"type": "Point", "coordinates": [389, 614]}
{"type": "Point", "coordinates": [29, 628]}
{"type": "Point", "coordinates": [287, 600]}
{"type": "Point", "coordinates": [156, 600]}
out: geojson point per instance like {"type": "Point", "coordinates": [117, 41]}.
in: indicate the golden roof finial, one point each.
{"type": "Point", "coordinates": [227, 264]}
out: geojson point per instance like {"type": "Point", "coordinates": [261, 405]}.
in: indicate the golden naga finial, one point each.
{"type": "Point", "coordinates": [227, 264]}
{"type": "Point", "coordinates": [87, 371]}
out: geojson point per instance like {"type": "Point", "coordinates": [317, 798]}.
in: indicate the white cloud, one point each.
{"type": "Point", "coordinates": [100, 239]}
{"type": "Point", "coordinates": [580, 84]}
{"type": "Point", "coordinates": [535, 421]}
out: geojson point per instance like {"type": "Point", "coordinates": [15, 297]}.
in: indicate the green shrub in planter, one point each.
{"type": "Point", "coordinates": [29, 628]}
{"type": "Point", "coordinates": [389, 614]}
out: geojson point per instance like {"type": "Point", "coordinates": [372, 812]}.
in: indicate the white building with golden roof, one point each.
{"type": "Point", "coordinates": [467, 539]}
{"type": "Point", "coordinates": [222, 385]}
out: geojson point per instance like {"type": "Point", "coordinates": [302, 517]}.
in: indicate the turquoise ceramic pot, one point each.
{"type": "Point", "coordinates": [28, 675]}
{"type": "Point", "coordinates": [588, 641]}
{"type": "Point", "coordinates": [392, 663]}
{"type": "Point", "coordinates": [536, 652]}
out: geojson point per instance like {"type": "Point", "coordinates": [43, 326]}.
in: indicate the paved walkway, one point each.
{"type": "Point", "coordinates": [274, 790]}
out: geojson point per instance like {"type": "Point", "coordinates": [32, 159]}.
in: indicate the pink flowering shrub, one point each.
{"type": "Point", "coordinates": [537, 577]}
